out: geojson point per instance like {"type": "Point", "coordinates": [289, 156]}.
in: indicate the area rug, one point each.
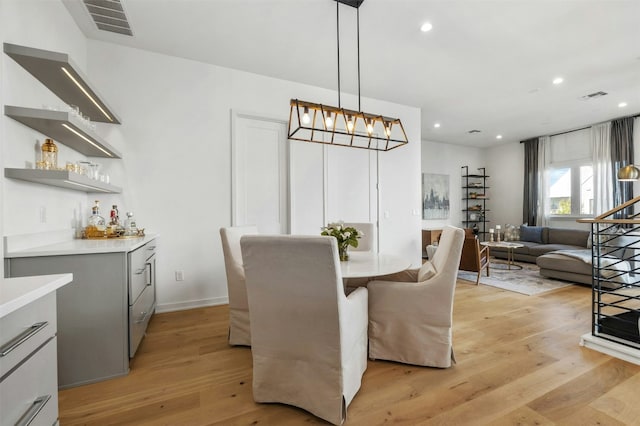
{"type": "Point", "coordinates": [525, 281]}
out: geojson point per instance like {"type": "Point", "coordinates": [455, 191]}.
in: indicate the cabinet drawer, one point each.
{"type": "Point", "coordinates": [32, 390]}
{"type": "Point", "coordinates": [26, 329]}
{"type": "Point", "coordinates": [140, 270]}
{"type": "Point", "coordinates": [139, 316]}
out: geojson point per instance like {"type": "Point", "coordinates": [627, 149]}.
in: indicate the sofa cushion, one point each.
{"type": "Point", "coordinates": [541, 249]}
{"type": "Point", "coordinates": [531, 233]}
{"type": "Point", "coordinates": [571, 237]}
{"type": "Point", "coordinates": [559, 262]}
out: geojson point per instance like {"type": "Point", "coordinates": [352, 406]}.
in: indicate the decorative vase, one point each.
{"type": "Point", "coordinates": [342, 252]}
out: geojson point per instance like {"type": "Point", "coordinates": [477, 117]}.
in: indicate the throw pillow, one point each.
{"type": "Point", "coordinates": [532, 234]}
{"type": "Point", "coordinates": [426, 271]}
{"type": "Point", "coordinates": [511, 233]}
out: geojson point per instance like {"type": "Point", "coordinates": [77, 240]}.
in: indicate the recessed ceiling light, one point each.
{"type": "Point", "coordinates": [499, 137]}
{"type": "Point", "coordinates": [622, 104]}
{"type": "Point", "coordinates": [558, 80]}
{"type": "Point", "coordinates": [426, 27]}
{"type": "Point", "coordinates": [436, 125]}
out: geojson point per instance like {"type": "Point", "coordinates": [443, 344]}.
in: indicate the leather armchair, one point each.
{"type": "Point", "coordinates": [308, 340]}
{"type": "Point", "coordinates": [239, 328]}
{"type": "Point", "coordinates": [411, 322]}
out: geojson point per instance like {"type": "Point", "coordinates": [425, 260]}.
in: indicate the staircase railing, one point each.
{"type": "Point", "coordinates": [615, 255]}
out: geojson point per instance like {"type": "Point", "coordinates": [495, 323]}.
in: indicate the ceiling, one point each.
{"type": "Point", "coordinates": [486, 65]}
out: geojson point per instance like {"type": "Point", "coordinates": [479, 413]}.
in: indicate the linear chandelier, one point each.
{"type": "Point", "coordinates": [317, 123]}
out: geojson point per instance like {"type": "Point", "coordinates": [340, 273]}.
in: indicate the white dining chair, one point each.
{"type": "Point", "coordinates": [366, 243]}
{"type": "Point", "coordinates": [411, 322]}
{"type": "Point", "coordinates": [308, 340]}
{"type": "Point", "coordinates": [239, 329]}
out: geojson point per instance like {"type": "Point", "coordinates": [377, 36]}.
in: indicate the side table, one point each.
{"type": "Point", "coordinates": [510, 246]}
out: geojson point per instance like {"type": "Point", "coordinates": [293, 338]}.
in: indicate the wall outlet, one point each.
{"type": "Point", "coordinates": [179, 275]}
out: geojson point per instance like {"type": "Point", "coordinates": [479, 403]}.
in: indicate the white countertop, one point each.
{"type": "Point", "coordinates": [18, 292]}
{"type": "Point", "coordinates": [109, 245]}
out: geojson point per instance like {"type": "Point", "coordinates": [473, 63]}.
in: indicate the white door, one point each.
{"type": "Point", "coordinates": [260, 186]}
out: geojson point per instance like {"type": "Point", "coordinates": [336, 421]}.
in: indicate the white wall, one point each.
{"type": "Point", "coordinates": [448, 159]}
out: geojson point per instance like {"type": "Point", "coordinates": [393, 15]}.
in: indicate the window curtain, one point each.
{"type": "Point", "coordinates": [544, 159]}
{"type": "Point", "coordinates": [603, 173]}
{"type": "Point", "coordinates": [622, 155]}
{"type": "Point", "coordinates": [531, 182]}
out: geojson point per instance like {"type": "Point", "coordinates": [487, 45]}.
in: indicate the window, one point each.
{"type": "Point", "coordinates": [569, 174]}
{"type": "Point", "coordinates": [571, 190]}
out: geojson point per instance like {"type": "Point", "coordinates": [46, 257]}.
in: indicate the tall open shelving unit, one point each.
{"type": "Point", "coordinates": [474, 200]}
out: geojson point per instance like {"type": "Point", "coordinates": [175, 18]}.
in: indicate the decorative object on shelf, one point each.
{"type": "Point", "coordinates": [345, 235]}
{"type": "Point", "coordinates": [498, 233]}
{"type": "Point", "coordinates": [344, 127]}
{"type": "Point", "coordinates": [435, 196]}
{"type": "Point", "coordinates": [491, 234]}
{"type": "Point", "coordinates": [49, 155]}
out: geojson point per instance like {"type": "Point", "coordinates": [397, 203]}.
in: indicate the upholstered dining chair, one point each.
{"type": "Point", "coordinates": [239, 329]}
{"type": "Point", "coordinates": [410, 322]}
{"type": "Point", "coordinates": [367, 241]}
{"type": "Point", "coordinates": [308, 340]}
{"type": "Point", "coordinates": [474, 258]}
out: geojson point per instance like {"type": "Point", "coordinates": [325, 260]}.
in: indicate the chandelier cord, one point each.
{"type": "Point", "coordinates": [338, 42]}
{"type": "Point", "coordinates": [358, 32]}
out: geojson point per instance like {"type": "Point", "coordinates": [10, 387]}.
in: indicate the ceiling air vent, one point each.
{"type": "Point", "coordinates": [109, 16]}
{"type": "Point", "coordinates": [594, 95]}
{"type": "Point", "coordinates": [473, 131]}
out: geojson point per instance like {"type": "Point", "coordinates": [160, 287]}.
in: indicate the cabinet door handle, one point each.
{"type": "Point", "coordinates": [150, 275]}
{"type": "Point", "coordinates": [21, 338]}
{"type": "Point", "coordinates": [140, 271]}
{"type": "Point", "coordinates": [33, 411]}
{"type": "Point", "coordinates": [151, 248]}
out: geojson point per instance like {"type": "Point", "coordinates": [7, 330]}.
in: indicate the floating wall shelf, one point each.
{"type": "Point", "coordinates": [57, 72]}
{"type": "Point", "coordinates": [63, 179]}
{"type": "Point", "coordinates": [62, 127]}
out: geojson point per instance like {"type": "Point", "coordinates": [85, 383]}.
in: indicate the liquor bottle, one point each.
{"type": "Point", "coordinates": [96, 225]}
{"type": "Point", "coordinates": [130, 225]}
{"type": "Point", "coordinates": [114, 216]}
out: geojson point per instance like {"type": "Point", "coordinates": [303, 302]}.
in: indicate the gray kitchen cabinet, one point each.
{"type": "Point", "coordinates": [101, 318]}
{"type": "Point", "coordinates": [28, 376]}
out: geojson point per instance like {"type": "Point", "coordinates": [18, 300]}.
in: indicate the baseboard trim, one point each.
{"type": "Point", "coordinates": [608, 347]}
{"type": "Point", "coordinates": [181, 306]}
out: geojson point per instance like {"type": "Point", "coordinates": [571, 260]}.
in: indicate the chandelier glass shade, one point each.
{"type": "Point", "coordinates": [312, 122]}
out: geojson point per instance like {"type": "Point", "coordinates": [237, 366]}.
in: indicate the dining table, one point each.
{"type": "Point", "coordinates": [363, 264]}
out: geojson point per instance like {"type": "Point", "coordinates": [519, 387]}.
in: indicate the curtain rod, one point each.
{"type": "Point", "coordinates": [583, 128]}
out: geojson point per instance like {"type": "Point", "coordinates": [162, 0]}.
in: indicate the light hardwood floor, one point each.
{"type": "Point", "coordinates": [519, 363]}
